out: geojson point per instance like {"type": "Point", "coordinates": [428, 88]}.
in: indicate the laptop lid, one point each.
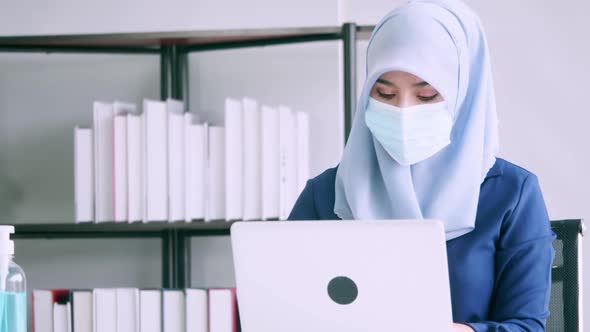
{"type": "Point", "coordinates": [386, 275]}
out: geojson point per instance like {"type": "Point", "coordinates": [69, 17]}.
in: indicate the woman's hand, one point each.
{"type": "Point", "coordinates": [461, 328]}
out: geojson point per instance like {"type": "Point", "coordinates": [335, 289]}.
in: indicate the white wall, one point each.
{"type": "Point", "coordinates": [34, 17]}
{"type": "Point", "coordinates": [539, 52]}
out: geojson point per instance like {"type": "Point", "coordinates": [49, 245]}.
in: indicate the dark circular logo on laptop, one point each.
{"type": "Point", "coordinates": [342, 290]}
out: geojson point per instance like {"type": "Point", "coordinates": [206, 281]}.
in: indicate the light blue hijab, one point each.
{"type": "Point", "coordinates": [443, 43]}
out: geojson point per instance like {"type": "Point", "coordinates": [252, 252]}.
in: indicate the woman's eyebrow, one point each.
{"type": "Point", "coordinates": [421, 84]}
{"type": "Point", "coordinates": [388, 83]}
{"type": "Point", "coordinates": [385, 82]}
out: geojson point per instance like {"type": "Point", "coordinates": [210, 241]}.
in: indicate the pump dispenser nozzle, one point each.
{"type": "Point", "coordinates": [6, 252]}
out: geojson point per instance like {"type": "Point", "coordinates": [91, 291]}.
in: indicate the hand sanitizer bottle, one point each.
{"type": "Point", "coordinates": [13, 287]}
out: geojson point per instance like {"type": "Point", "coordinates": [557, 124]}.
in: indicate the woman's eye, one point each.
{"type": "Point", "coordinates": [385, 95]}
{"type": "Point", "coordinates": [428, 98]}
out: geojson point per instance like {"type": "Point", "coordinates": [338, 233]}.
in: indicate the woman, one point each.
{"type": "Point", "coordinates": [423, 145]}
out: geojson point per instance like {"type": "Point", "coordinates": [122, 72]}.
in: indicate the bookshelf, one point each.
{"type": "Point", "coordinates": [173, 49]}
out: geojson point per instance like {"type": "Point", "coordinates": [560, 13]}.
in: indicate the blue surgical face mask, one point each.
{"type": "Point", "coordinates": [412, 134]}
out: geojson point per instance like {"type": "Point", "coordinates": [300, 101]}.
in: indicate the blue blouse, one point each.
{"type": "Point", "coordinates": [500, 273]}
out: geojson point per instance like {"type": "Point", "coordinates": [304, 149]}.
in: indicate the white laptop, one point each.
{"type": "Point", "coordinates": [339, 276]}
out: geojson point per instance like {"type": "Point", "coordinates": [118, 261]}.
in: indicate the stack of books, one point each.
{"type": "Point", "coordinates": [135, 310]}
{"type": "Point", "coordinates": [161, 164]}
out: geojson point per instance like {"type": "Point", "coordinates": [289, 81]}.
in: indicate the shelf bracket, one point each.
{"type": "Point", "coordinates": [349, 37]}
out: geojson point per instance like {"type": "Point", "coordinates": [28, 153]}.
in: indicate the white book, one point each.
{"type": "Point", "coordinates": [105, 310]}
{"type": "Point", "coordinates": [42, 310]}
{"type": "Point", "coordinates": [121, 111]}
{"type": "Point", "coordinates": [189, 166]}
{"type": "Point", "coordinates": [127, 309]}
{"type": "Point", "coordinates": [292, 167]}
{"type": "Point", "coordinates": [82, 311]}
{"type": "Point", "coordinates": [222, 310]}
{"type": "Point", "coordinates": [61, 322]}
{"type": "Point", "coordinates": [252, 177]}
{"type": "Point", "coordinates": [302, 151]}
{"type": "Point", "coordinates": [216, 175]}
{"type": "Point", "coordinates": [176, 165]}
{"type": "Point", "coordinates": [150, 310]}
{"type": "Point", "coordinates": [288, 165]}
{"type": "Point", "coordinates": [155, 145]}
{"type": "Point", "coordinates": [270, 162]}
{"type": "Point", "coordinates": [197, 311]}
{"type": "Point", "coordinates": [198, 182]}
{"type": "Point", "coordinates": [120, 167]}
{"type": "Point", "coordinates": [234, 160]}
{"type": "Point", "coordinates": [83, 174]}
{"type": "Point", "coordinates": [103, 161]}
{"type": "Point", "coordinates": [173, 311]}
{"type": "Point", "coordinates": [135, 196]}
{"type": "Point", "coordinates": [69, 317]}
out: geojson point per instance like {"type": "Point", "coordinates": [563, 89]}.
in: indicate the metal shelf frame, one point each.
{"type": "Point", "coordinates": [173, 49]}
{"type": "Point", "coordinates": [176, 237]}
